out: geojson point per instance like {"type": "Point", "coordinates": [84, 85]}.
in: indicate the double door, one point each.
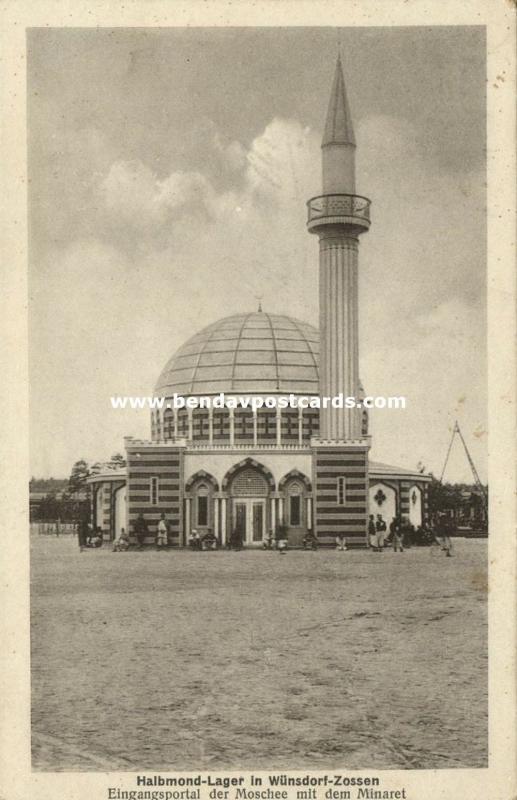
{"type": "Point", "coordinates": [249, 516]}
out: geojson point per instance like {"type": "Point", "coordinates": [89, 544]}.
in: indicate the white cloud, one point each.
{"type": "Point", "coordinates": [182, 254]}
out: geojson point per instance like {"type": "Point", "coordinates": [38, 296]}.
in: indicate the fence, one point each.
{"type": "Point", "coordinates": [56, 528]}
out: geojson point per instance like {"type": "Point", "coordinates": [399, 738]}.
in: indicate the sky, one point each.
{"type": "Point", "coordinates": [169, 171]}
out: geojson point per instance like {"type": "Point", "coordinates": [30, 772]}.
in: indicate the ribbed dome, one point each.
{"type": "Point", "coordinates": [252, 353]}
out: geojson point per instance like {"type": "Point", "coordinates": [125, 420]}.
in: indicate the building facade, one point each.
{"type": "Point", "coordinates": [306, 468]}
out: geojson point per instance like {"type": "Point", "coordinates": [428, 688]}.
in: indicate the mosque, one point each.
{"type": "Point", "coordinates": [306, 468]}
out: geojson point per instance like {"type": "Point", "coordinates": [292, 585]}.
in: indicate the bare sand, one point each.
{"type": "Point", "coordinates": [252, 660]}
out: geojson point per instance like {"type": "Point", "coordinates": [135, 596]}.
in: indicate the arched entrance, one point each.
{"type": "Point", "coordinates": [98, 518]}
{"type": "Point", "coordinates": [249, 485]}
{"type": "Point", "coordinates": [295, 489]}
{"type": "Point", "coordinates": [120, 511]}
{"type": "Point", "coordinates": [415, 506]}
{"type": "Point", "coordinates": [202, 513]}
{"type": "Point", "coordinates": [383, 500]}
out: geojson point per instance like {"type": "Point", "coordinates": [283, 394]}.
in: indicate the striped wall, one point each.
{"type": "Point", "coordinates": [330, 519]}
{"type": "Point", "coordinates": [144, 462]}
{"type": "Point", "coordinates": [102, 501]}
{"type": "Point", "coordinates": [405, 487]}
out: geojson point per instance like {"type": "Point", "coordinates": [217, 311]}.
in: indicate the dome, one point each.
{"type": "Point", "coordinates": [254, 353]}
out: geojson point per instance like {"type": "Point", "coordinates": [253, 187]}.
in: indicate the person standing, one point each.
{"type": "Point", "coordinates": [380, 529]}
{"type": "Point", "coordinates": [341, 542]}
{"type": "Point", "coordinates": [82, 533]}
{"type": "Point", "coordinates": [141, 530]}
{"type": "Point", "coordinates": [162, 533]}
{"type": "Point", "coordinates": [396, 535]}
{"type": "Point", "coordinates": [281, 538]}
{"type": "Point", "coordinates": [444, 530]}
{"type": "Point", "coordinates": [372, 535]}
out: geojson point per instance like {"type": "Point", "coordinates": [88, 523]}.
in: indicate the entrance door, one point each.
{"type": "Point", "coordinates": [257, 521]}
{"type": "Point", "coordinates": [249, 518]}
{"type": "Point", "coordinates": [241, 514]}
{"type": "Point", "coordinates": [120, 511]}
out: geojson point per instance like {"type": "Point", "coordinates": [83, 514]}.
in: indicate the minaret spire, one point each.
{"type": "Point", "coordinates": [338, 126]}
{"type": "Point", "coordinates": [338, 144]}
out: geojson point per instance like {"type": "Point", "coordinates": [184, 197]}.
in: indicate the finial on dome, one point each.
{"type": "Point", "coordinates": [259, 298]}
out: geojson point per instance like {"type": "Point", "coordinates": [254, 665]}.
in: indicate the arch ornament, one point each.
{"type": "Point", "coordinates": [248, 462]}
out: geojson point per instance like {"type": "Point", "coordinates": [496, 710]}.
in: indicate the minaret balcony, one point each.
{"type": "Point", "coordinates": [351, 210]}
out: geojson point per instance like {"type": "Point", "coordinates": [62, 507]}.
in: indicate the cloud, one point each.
{"type": "Point", "coordinates": [173, 252]}
{"type": "Point", "coordinates": [133, 194]}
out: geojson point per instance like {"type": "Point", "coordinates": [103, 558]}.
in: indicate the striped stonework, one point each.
{"type": "Point", "coordinates": [404, 497]}
{"type": "Point", "coordinates": [106, 509]}
{"type": "Point", "coordinates": [145, 461]}
{"type": "Point", "coordinates": [425, 501]}
{"type": "Point", "coordinates": [405, 500]}
{"type": "Point", "coordinates": [343, 511]}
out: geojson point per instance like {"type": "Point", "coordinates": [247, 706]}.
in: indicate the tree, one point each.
{"type": "Point", "coordinates": [78, 476]}
{"type": "Point", "coordinates": [117, 460]}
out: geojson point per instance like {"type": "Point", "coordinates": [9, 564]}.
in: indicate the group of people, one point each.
{"type": "Point", "coordinates": [403, 534]}
{"type": "Point", "coordinates": [207, 542]}
{"type": "Point", "coordinates": [87, 535]}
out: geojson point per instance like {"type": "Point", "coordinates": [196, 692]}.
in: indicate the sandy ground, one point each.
{"type": "Point", "coordinates": [247, 660]}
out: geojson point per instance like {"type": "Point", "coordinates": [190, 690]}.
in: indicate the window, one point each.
{"type": "Point", "coordinates": [202, 505]}
{"type": "Point", "coordinates": [153, 493]}
{"type": "Point", "coordinates": [266, 425]}
{"type": "Point", "coordinates": [243, 424]}
{"type": "Point", "coordinates": [200, 424]}
{"type": "Point", "coordinates": [202, 511]}
{"type": "Point", "coordinates": [168, 424]}
{"type": "Point", "coordinates": [182, 423]}
{"type": "Point", "coordinates": [220, 425]}
{"type": "Point", "coordinates": [341, 491]}
{"type": "Point", "coordinates": [289, 423]}
{"type": "Point", "coordinates": [364, 423]}
{"type": "Point", "coordinates": [294, 510]}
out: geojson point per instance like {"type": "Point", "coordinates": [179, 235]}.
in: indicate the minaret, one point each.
{"type": "Point", "coordinates": [338, 216]}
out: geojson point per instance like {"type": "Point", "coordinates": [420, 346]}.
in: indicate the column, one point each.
{"type": "Point", "coordinates": [223, 520]}
{"type": "Point", "coordinates": [273, 515]}
{"type": "Point", "coordinates": [210, 425]}
{"type": "Point", "coordinates": [339, 333]}
{"type": "Point", "coordinates": [309, 513]}
{"type": "Point", "coordinates": [300, 425]}
{"type": "Point", "coordinates": [175, 415]}
{"type": "Point", "coordinates": [190, 427]}
{"type": "Point", "coordinates": [216, 516]}
{"type": "Point", "coordinates": [278, 426]}
{"type": "Point", "coordinates": [281, 510]}
{"type": "Point", "coordinates": [232, 426]}
{"type": "Point", "coordinates": [187, 520]}
{"type": "Point", "coordinates": [255, 426]}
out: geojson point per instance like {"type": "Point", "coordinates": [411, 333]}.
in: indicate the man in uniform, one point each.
{"type": "Point", "coordinates": [141, 530]}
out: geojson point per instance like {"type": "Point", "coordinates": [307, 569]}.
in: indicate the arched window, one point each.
{"type": "Point", "coordinates": [266, 425]}
{"type": "Point", "coordinates": [289, 425]}
{"type": "Point", "coordinates": [183, 423]}
{"type": "Point", "coordinates": [311, 423]}
{"type": "Point", "coordinates": [364, 423]}
{"type": "Point", "coordinates": [243, 424]}
{"type": "Point", "coordinates": [168, 424]}
{"type": "Point", "coordinates": [295, 495]}
{"type": "Point", "coordinates": [202, 505]}
{"type": "Point", "coordinates": [200, 425]}
{"type": "Point", "coordinates": [221, 425]}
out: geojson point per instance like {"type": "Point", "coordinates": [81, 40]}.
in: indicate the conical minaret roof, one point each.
{"type": "Point", "coordinates": [338, 126]}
